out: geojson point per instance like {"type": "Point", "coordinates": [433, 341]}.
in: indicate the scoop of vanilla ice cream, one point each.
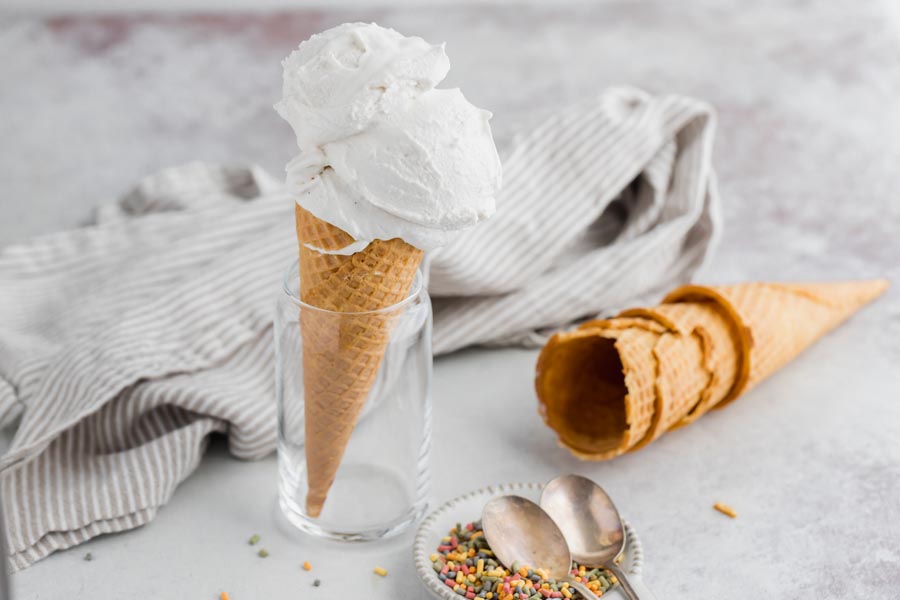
{"type": "Point", "coordinates": [384, 154]}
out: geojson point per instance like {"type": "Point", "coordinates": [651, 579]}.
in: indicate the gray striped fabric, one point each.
{"type": "Point", "coordinates": [123, 345]}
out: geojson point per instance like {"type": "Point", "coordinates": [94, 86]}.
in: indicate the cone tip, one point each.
{"type": "Point", "coordinates": [314, 505]}
{"type": "Point", "coordinates": [882, 284]}
{"type": "Point", "coordinates": [858, 292]}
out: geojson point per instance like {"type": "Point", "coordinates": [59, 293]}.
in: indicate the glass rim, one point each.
{"type": "Point", "coordinates": [293, 274]}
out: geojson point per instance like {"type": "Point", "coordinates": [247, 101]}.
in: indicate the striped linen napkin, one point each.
{"type": "Point", "coordinates": [124, 344]}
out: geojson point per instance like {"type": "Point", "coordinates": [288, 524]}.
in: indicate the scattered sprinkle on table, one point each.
{"type": "Point", "coordinates": [223, 596]}
{"type": "Point", "coordinates": [307, 566]}
{"type": "Point", "coordinates": [465, 563]}
{"type": "Point", "coordinates": [263, 553]}
{"type": "Point", "coordinates": [317, 583]}
{"type": "Point", "coordinates": [253, 539]}
{"type": "Point", "coordinates": [725, 509]}
{"type": "Point", "coordinates": [89, 557]}
{"type": "Point", "coordinates": [381, 571]}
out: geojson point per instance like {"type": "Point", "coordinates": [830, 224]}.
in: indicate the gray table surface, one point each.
{"type": "Point", "coordinates": [808, 150]}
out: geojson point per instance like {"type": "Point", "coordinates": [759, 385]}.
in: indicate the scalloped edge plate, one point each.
{"type": "Point", "coordinates": [467, 507]}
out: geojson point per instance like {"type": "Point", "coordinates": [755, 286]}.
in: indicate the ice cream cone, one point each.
{"type": "Point", "coordinates": [344, 343]}
{"type": "Point", "coordinates": [392, 165]}
{"type": "Point", "coordinates": [616, 385]}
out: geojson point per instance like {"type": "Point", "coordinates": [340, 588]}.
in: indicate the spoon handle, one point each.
{"type": "Point", "coordinates": [582, 589]}
{"type": "Point", "coordinates": [636, 590]}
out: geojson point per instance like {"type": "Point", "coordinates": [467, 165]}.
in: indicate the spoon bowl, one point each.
{"type": "Point", "coordinates": [519, 531]}
{"type": "Point", "coordinates": [506, 521]}
{"type": "Point", "coordinates": [591, 525]}
{"type": "Point", "coordinates": [587, 518]}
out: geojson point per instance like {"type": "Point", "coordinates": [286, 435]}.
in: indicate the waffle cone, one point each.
{"type": "Point", "coordinates": [616, 385]}
{"type": "Point", "coordinates": [342, 351]}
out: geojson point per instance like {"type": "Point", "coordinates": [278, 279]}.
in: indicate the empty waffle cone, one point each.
{"type": "Point", "coordinates": [342, 349]}
{"type": "Point", "coordinates": [701, 349]}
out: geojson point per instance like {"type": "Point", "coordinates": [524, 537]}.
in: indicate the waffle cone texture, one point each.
{"type": "Point", "coordinates": [613, 386]}
{"type": "Point", "coordinates": [344, 343]}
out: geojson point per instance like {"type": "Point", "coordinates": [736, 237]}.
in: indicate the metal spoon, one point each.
{"type": "Point", "coordinates": [518, 530]}
{"type": "Point", "coordinates": [591, 525]}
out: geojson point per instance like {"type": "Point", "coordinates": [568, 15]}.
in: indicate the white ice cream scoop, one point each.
{"type": "Point", "coordinates": [383, 153]}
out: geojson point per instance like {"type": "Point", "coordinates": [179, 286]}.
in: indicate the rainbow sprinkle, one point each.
{"type": "Point", "coordinates": [464, 562]}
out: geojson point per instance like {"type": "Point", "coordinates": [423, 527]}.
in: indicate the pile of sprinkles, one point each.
{"type": "Point", "coordinates": [464, 563]}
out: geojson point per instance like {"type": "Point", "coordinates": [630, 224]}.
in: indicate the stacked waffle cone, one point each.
{"type": "Point", "coordinates": [343, 344]}
{"type": "Point", "coordinates": [612, 386]}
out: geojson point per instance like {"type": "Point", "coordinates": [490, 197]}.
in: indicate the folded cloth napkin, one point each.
{"type": "Point", "coordinates": [124, 344]}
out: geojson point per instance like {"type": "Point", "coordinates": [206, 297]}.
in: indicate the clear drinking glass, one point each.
{"type": "Point", "coordinates": [381, 483]}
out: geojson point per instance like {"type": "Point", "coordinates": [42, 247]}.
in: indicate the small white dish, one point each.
{"type": "Point", "coordinates": [467, 507]}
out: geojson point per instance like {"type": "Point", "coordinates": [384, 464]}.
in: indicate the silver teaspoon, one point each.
{"type": "Point", "coordinates": [592, 527]}
{"type": "Point", "coordinates": [518, 530]}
